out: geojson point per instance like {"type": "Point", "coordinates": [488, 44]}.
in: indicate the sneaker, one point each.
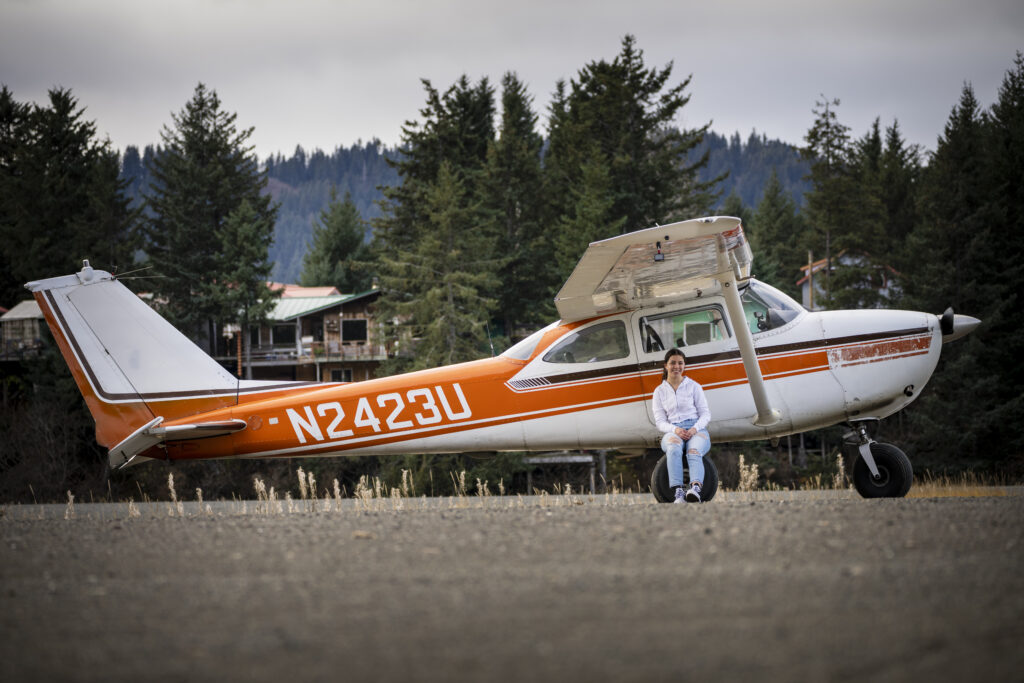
{"type": "Point", "coordinates": [680, 495]}
{"type": "Point", "coordinates": [693, 495]}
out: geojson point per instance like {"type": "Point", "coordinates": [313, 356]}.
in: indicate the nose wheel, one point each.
{"type": "Point", "coordinates": [894, 473]}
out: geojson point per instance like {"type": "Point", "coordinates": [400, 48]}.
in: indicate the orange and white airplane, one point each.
{"type": "Point", "coordinates": [769, 368]}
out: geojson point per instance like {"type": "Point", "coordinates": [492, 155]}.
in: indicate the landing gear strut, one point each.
{"type": "Point", "coordinates": [880, 470]}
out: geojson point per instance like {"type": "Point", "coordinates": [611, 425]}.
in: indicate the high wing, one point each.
{"type": "Point", "coordinates": [659, 265]}
{"type": "Point", "coordinates": [663, 265]}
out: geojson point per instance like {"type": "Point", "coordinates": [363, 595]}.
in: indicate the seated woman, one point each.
{"type": "Point", "coordinates": [681, 414]}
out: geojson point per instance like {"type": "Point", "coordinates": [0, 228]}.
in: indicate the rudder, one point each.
{"type": "Point", "coordinates": [130, 364]}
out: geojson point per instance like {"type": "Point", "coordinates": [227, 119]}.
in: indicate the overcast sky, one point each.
{"type": "Point", "coordinates": [321, 74]}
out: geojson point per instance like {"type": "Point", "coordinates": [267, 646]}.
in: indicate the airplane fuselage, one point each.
{"type": "Point", "coordinates": [820, 368]}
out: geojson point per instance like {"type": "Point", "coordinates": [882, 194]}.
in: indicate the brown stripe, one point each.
{"type": "Point", "coordinates": [820, 344]}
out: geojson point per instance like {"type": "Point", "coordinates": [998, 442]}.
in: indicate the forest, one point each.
{"type": "Point", "coordinates": [301, 185]}
{"type": "Point", "coordinates": [487, 203]}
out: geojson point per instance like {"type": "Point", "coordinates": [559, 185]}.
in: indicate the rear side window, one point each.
{"type": "Point", "coordinates": [683, 328]}
{"type": "Point", "coordinates": [604, 341]}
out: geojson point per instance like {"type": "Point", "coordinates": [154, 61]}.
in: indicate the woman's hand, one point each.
{"type": "Point", "coordinates": [685, 434]}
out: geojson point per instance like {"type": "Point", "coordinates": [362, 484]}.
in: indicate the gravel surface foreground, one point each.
{"type": "Point", "coordinates": [771, 588]}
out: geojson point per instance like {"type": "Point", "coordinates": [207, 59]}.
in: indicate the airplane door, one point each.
{"type": "Point", "coordinates": [586, 384]}
{"type": "Point", "coordinates": [700, 329]}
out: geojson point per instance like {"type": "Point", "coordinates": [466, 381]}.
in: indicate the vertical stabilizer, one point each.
{"type": "Point", "coordinates": [130, 364]}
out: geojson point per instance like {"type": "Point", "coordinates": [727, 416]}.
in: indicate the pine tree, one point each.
{"type": "Point", "coordinates": [61, 201]}
{"type": "Point", "coordinates": [61, 196]}
{"type": "Point", "coordinates": [629, 113]}
{"type": "Point", "coordinates": [965, 253]}
{"type": "Point", "coordinates": [590, 217]}
{"type": "Point", "coordinates": [242, 293]}
{"type": "Point", "coordinates": [457, 127]}
{"type": "Point", "coordinates": [830, 205]}
{"type": "Point", "coordinates": [204, 172]}
{"type": "Point", "coordinates": [337, 255]}
{"type": "Point", "coordinates": [859, 280]}
{"type": "Point", "coordinates": [776, 235]}
{"type": "Point", "coordinates": [997, 254]}
{"type": "Point", "coordinates": [434, 289]}
{"type": "Point", "coordinates": [435, 264]}
{"type": "Point", "coordinates": [900, 176]}
{"type": "Point", "coordinates": [934, 270]}
{"type": "Point", "coordinates": [510, 191]}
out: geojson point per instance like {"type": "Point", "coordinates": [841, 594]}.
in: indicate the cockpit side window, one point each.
{"type": "Point", "coordinates": [766, 308]}
{"type": "Point", "coordinates": [604, 341]}
{"type": "Point", "coordinates": [683, 328]}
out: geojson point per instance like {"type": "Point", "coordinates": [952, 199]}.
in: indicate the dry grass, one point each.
{"type": "Point", "coordinates": [927, 485]}
{"type": "Point", "coordinates": [964, 485]}
{"type": "Point", "coordinates": [374, 494]}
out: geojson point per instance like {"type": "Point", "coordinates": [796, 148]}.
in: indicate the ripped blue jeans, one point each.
{"type": "Point", "coordinates": [696, 448]}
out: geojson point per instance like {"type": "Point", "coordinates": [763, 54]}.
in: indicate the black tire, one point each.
{"type": "Point", "coordinates": [664, 494]}
{"type": "Point", "coordinates": [895, 474]}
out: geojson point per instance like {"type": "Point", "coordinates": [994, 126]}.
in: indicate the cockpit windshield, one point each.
{"type": "Point", "coordinates": [522, 350]}
{"type": "Point", "coordinates": [766, 308]}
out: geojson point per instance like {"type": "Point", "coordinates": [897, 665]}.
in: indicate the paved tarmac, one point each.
{"type": "Point", "coordinates": [768, 587]}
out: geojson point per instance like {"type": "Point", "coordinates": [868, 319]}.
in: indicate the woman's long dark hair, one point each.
{"type": "Point", "coordinates": [671, 352]}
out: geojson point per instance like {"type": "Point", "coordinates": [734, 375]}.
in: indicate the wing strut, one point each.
{"type": "Point", "coordinates": [766, 416]}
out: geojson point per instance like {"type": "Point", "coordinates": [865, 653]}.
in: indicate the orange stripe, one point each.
{"type": "Point", "coordinates": [491, 400]}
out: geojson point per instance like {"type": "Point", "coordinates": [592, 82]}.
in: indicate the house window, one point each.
{"type": "Point", "coordinates": [353, 330]}
{"type": "Point", "coordinates": [284, 334]}
{"type": "Point", "coordinates": [341, 375]}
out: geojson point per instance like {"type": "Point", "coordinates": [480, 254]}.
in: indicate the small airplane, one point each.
{"type": "Point", "coordinates": [769, 368]}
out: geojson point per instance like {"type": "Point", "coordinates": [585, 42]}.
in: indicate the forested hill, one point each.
{"type": "Point", "coordinates": [302, 185]}
{"type": "Point", "coordinates": [302, 182]}
{"type": "Point", "coordinates": [750, 163]}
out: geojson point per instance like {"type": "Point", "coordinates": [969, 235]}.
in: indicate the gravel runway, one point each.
{"type": "Point", "coordinates": [769, 587]}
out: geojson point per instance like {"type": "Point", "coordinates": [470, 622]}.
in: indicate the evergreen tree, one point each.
{"type": "Point", "coordinates": [965, 253]}
{"type": "Point", "coordinates": [830, 205]}
{"type": "Point", "coordinates": [859, 280]}
{"type": "Point", "coordinates": [996, 251]}
{"type": "Point", "coordinates": [457, 127]}
{"type": "Point", "coordinates": [776, 235]}
{"type": "Point", "coordinates": [590, 217]}
{"type": "Point", "coordinates": [628, 112]}
{"type": "Point", "coordinates": [733, 206]}
{"type": "Point", "coordinates": [204, 172]}
{"type": "Point", "coordinates": [940, 270]}
{"type": "Point", "coordinates": [900, 177]}
{"type": "Point", "coordinates": [434, 289]}
{"type": "Point", "coordinates": [510, 191]}
{"type": "Point", "coordinates": [935, 270]}
{"type": "Point", "coordinates": [337, 254]}
{"type": "Point", "coordinates": [61, 197]}
{"type": "Point", "coordinates": [436, 266]}
{"type": "Point", "coordinates": [242, 294]}
{"type": "Point", "coordinates": [61, 201]}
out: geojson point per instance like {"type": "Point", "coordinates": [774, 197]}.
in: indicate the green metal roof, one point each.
{"type": "Point", "coordinates": [295, 307]}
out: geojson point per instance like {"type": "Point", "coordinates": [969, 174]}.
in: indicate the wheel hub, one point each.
{"type": "Point", "coordinates": [883, 476]}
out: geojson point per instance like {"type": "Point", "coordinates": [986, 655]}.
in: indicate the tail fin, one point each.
{"type": "Point", "coordinates": [132, 366]}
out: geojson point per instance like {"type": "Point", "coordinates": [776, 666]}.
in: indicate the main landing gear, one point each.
{"type": "Point", "coordinates": [663, 492]}
{"type": "Point", "coordinates": [880, 470]}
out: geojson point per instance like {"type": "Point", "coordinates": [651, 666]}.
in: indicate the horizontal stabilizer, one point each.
{"type": "Point", "coordinates": [152, 434]}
